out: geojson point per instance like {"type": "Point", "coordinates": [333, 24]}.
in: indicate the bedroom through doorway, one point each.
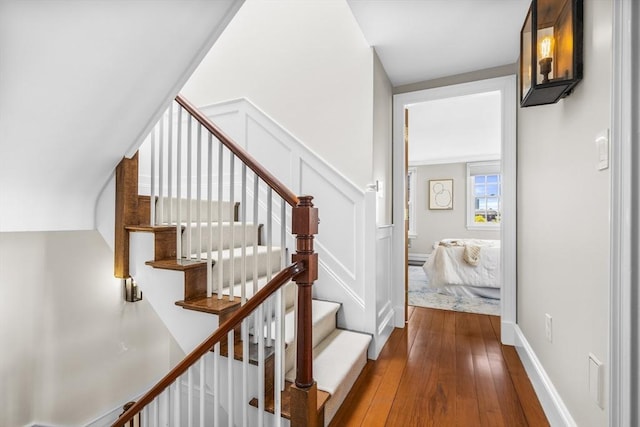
{"type": "Point", "coordinates": [458, 146]}
{"type": "Point", "coordinates": [454, 203]}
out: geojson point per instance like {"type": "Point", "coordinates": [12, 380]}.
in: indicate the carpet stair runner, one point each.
{"type": "Point", "coordinates": [338, 355]}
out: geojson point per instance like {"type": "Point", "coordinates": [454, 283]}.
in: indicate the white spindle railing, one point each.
{"type": "Point", "coordinates": [207, 225]}
{"type": "Point", "coordinates": [191, 400]}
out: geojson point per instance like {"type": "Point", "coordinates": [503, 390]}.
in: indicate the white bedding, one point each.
{"type": "Point", "coordinates": [446, 265]}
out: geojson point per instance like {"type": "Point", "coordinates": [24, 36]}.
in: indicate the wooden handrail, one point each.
{"type": "Point", "coordinates": [240, 152]}
{"type": "Point", "coordinates": [279, 280]}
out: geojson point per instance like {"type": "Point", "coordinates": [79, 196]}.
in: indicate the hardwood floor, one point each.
{"type": "Point", "coordinates": [444, 369]}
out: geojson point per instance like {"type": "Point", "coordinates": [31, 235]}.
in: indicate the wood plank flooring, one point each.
{"type": "Point", "coordinates": [444, 368]}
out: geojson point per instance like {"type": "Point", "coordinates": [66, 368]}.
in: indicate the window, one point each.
{"type": "Point", "coordinates": [484, 195]}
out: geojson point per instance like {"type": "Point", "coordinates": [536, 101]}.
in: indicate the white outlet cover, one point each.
{"type": "Point", "coordinates": [548, 327]}
{"type": "Point", "coordinates": [595, 380]}
{"type": "Point", "coordinates": [602, 144]}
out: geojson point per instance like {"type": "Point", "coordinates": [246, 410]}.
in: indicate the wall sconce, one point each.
{"type": "Point", "coordinates": [131, 291]}
{"type": "Point", "coordinates": [550, 51]}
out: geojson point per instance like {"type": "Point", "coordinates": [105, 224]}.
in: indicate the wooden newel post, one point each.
{"type": "Point", "coordinates": [304, 392]}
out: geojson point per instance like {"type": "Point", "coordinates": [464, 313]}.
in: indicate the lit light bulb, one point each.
{"type": "Point", "coordinates": [545, 47]}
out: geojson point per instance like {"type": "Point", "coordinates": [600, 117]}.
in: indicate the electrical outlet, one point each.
{"type": "Point", "coordinates": [595, 379]}
{"type": "Point", "coordinates": [548, 327]}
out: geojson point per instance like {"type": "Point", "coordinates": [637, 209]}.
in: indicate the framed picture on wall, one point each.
{"type": "Point", "coordinates": [441, 194]}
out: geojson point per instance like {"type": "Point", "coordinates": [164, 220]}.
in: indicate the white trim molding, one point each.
{"type": "Point", "coordinates": [552, 404]}
{"type": "Point", "coordinates": [507, 87]}
{"type": "Point", "coordinates": [624, 333]}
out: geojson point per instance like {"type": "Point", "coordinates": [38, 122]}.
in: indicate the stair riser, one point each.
{"type": "Point", "coordinates": [323, 325]}
{"type": "Point", "coordinates": [169, 210]}
{"type": "Point", "coordinates": [232, 236]}
{"type": "Point", "coordinates": [236, 272]}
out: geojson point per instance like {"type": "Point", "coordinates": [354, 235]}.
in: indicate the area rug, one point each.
{"type": "Point", "coordinates": [420, 294]}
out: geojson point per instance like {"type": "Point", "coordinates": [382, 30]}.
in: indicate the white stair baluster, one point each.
{"type": "Point", "coordinates": [203, 389]}
{"type": "Point", "coordinates": [231, 224]}
{"type": "Point", "coordinates": [177, 402]}
{"type": "Point", "coordinates": [283, 234]}
{"type": "Point", "coordinates": [283, 263]}
{"type": "Point", "coordinates": [189, 179]}
{"type": "Point", "coordinates": [220, 233]}
{"type": "Point", "coordinates": [179, 186]}
{"type": "Point", "coordinates": [230, 381]}
{"type": "Point", "coordinates": [152, 196]}
{"type": "Point", "coordinates": [278, 362]}
{"type": "Point", "coordinates": [245, 371]}
{"type": "Point", "coordinates": [156, 411]}
{"type": "Point", "coordinates": [269, 341]}
{"type": "Point", "coordinates": [256, 196]}
{"type": "Point", "coordinates": [170, 165]}
{"type": "Point", "coordinates": [243, 208]}
{"type": "Point", "coordinates": [160, 211]}
{"type": "Point", "coordinates": [199, 192]}
{"type": "Point", "coordinates": [210, 214]}
{"type": "Point", "coordinates": [260, 338]}
{"type": "Point", "coordinates": [145, 416]}
{"type": "Point", "coordinates": [216, 385]}
{"type": "Point", "coordinates": [190, 397]}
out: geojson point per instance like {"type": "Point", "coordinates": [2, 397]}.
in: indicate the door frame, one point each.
{"type": "Point", "coordinates": [507, 87]}
{"type": "Point", "coordinates": [624, 297]}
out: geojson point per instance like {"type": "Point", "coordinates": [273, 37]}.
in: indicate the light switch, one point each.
{"type": "Point", "coordinates": [602, 144]}
{"type": "Point", "coordinates": [595, 380]}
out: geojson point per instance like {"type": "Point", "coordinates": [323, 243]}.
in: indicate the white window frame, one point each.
{"type": "Point", "coordinates": [491, 167]}
{"type": "Point", "coordinates": [412, 194]}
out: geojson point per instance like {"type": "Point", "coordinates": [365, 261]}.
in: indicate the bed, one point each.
{"type": "Point", "coordinates": [465, 267]}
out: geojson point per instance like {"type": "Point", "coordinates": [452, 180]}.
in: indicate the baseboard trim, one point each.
{"type": "Point", "coordinates": [552, 404]}
{"type": "Point", "coordinates": [507, 332]}
{"type": "Point", "coordinates": [418, 258]}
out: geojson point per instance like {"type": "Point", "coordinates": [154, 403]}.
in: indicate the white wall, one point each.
{"type": "Point", "coordinates": [563, 225]}
{"type": "Point", "coordinates": [81, 81]}
{"type": "Point", "coordinates": [72, 348]}
{"type": "Point", "coordinates": [307, 65]}
{"type": "Point", "coordinates": [382, 136]}
{"type": "Point", "coordinates": [434, 225]}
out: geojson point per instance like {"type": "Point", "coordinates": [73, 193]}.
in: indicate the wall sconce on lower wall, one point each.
{"type": "Point", "coordinates": [131, 291]}
{"type": "Point", "coordinates": [550, 51]}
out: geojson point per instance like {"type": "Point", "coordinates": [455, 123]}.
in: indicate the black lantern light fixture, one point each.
{"type": "Point", "coordinates": [550, 51]}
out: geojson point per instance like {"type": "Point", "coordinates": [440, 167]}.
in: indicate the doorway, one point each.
{"type": "Point", "coordinates": [506, 87]}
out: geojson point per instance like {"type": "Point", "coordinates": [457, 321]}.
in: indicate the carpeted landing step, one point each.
{"type": "Point", "coordinates": [339, 357]}
{"type": "Point", "coordinates": [337, 361]}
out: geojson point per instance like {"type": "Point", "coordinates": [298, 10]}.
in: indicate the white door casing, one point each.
{"type": "Point", "coordinates": [507, 87]}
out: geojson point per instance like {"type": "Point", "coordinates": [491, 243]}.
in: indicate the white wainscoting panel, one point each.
{"type": "Point", "coordinates": [346, 273]}
{"type": "Point", "coordinates": [383, 308]}
{"type": "Point", "coordinates": [272, 153]}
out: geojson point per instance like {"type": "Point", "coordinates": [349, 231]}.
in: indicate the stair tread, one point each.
{"type": "Point", "coordinates": [334, 358]}
{"type": "Point", "coordinates": [269, 403]}
{"type": "Point", "coordinates": [177, 264]}
{"type": "Point", "coordinates": [149, 228]}
{"type": "Point", "coordinates": [319, 309]}
{"type": "Point", "coordinates": [212, 304]}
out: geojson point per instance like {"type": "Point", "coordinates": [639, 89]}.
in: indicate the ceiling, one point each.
{"type": "Point", "coordinates": [419, 40]}
{"type": "Point", "coordinates": [458, 129]}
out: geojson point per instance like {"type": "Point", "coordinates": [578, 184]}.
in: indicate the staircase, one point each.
{"type": "Point", "coordinates": [225, 260]}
